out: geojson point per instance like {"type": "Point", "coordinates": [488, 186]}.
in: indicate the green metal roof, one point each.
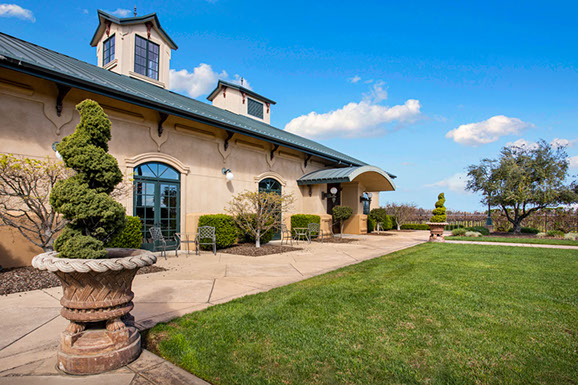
{"type": "Point", "coordinates": [152, 17]}
{"type": "Point", "coordinates": [249, 92]}
{"type": "Point", "coordinates": [25, 57]}
{"type": "Point", "coordinates": [341, 175]}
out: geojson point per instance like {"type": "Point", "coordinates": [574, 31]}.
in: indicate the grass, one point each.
{"type": "Point", "coordinates": [434, 313]}
{"type": "Point", "coordinates": [535, 241]}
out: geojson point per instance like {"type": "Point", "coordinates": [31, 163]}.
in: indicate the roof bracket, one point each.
{"type": "Point", "coordinates": [162, 118]}
{"type": "Point", "coordinates": [275, 148]}
{"type": "Point", "coordinates": [62, 91]}
{"type": "Point", "coordinates": [307, 159]}
{"type": "Point", "coordinates": [229, 136]}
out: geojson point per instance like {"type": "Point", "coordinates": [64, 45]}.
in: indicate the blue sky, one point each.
{"type": "Point", "coordinates": [421, 89]}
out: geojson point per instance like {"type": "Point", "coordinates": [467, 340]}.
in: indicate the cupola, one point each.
{"type": "Point", "coordinates": [240, 100]}
{"type": "Point", "coordinates": [134, 46]}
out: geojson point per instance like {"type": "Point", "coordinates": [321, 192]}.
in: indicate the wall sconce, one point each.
{"type": "Point", "coordinates": [366, 197]}
{"type": "Point", "coordinates": [228, 173]}
{"type": "Point", "coordinates": [332, 194]}
{"type": "Point", "coordinates": [310, 190]}
{"type": "Point", "coordinates": [55, 150]}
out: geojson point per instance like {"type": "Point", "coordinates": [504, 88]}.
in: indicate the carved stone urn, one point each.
{"type": "Point", "coordinates": [97, 300]}
{"type": "Point", "coordinates": [436, 231]}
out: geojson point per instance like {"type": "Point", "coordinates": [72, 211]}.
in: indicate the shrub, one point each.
{"type": "Point", "coordinates": [415, 226]}
{"type": "Point", "coordinates": [249, 237]}
{"type": "Point", "coordinates": [303, 220]}
{"type": "Point", "coordinates": [130, 235]}
{"type": "Point", "coordinates": [439, 213]}
{"type": "Point", "coordinates": [341, 214]}
{"type": "Point", "coordinates": [472, 234]}
{"type": "Point", "coordinates": [555, 233]}
{"type": "Point", "coordinates": [541, 235]}
{"type": "Point", "coordinates": [380, 216]}
{"type": "Point", "coordinates": [458, 232]}
{"type": "Point", "coordinates": [526, 230]}
{"type": "Point", "coordinates": [370, 224]}
{"type": "Point", "coordinates": [393, 222]}
{"type": "Point", "coordinates": [480, 229]}
{"type": "Point", "coordinates": [571, 236]}
{"type": "Point", "coordinates": [226, 231]}
{"type": "Point", "coordinates": [84, 198]}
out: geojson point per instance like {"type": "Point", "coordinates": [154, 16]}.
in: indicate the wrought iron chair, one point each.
{"type": "Point", "coordinates": [286, 235]}
{"type": "Point", "coordinates": [158, 238]}
{"type": "Point", "coordinates": [184, 239]}
{"type": "Point", "coordinates": [206, 232]}
{"type": "Point", "coordinates": [315, 228]}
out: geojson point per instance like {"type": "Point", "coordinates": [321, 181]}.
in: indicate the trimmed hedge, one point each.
{"type": "Point", "coordinates": [415, 226]}
{"type": "Point", "coordinates": [226, 231]}
{"type": "Point", "coordinates": [370, 224]}
{"type": "Point", "coordinates": [303, 220]}
{"type": "Point", "coordinates": [458, 232]}
{"type": "Point", "coordinates": [130, 236]}
{"type": "Point", "coordinates": [527, 230]}
{"type": "Point", "coordinates": [265, 238]}
{"type": "Point", "coordinates": [480, 229]}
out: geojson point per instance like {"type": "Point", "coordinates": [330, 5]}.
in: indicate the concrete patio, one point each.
{"type": "Point", "coordinates": [31, 323]}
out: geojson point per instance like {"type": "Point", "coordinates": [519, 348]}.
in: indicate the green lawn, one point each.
{"type": "Point", "coordinates": [535, 241]}
{"type": "Point", "coordinates": [434, 313]}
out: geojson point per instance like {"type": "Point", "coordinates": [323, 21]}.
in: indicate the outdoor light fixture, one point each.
{"type": "Point", "coordinates": [56, 151]}
{"type": "Point", "coordinates": [228, 173]}
{"type": "Point", "coordinates": [332, 194]}
{"type": "Point", "coordinates": [365, 197]}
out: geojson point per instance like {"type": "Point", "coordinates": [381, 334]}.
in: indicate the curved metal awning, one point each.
{"type": "Point", "coordinates": [373, 178]}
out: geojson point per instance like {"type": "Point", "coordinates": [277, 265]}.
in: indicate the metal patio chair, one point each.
{"type": "Point", "coordinates": [204, 233]}
{"type": "Point", "coordinates": [286, 235]}
{"type": "Point", "coordinates": [158, 238]}
{"type": "Point", "coordinates": [184, 239]}
{"type": "Point", "coordinates": [315, 228]}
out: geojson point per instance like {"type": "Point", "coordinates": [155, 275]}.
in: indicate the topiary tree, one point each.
{"type": "Point", "coordinates": [439, 213]}
{"type": "Point", "coordinates": [84, 199]}
{"type": "Point", "coordinates": [341, 214]}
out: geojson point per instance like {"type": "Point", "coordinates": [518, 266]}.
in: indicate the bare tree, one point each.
{"type": "Point", "coordinates": [258, 212]}
{"type": "Point", "coordinates": [402, 212]}
{"type": "Point", "coordinates": [25, 186]}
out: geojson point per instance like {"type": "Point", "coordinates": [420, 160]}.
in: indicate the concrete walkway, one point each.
{"type": "Point", "coordinates": [567, 247]}
{"type": "Point", "coordinates": [31, 323]}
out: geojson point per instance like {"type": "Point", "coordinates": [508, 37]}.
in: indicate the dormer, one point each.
{"type": "Point", "coordinates": [134, 46]}
{"type": "Point", "coordinates": [240, 100]}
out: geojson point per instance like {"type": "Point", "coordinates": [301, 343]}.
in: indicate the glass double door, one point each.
{"type": "Point", "coordinates": [271, 185]}
{"type": "Point", "coordinates": [157, 202]}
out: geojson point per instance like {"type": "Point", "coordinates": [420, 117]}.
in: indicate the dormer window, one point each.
{"type": "Point", "coordinates": [255, 108]}
{"type": "Point", "coordinates": [146, 59]}
{"type": "Point", "coordinates": [108, 50]}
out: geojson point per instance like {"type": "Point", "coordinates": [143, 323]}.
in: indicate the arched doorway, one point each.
{"type": "Point", "coordinates": [157, 200]}
{"type": "Point", "coordinates": [272, 185]}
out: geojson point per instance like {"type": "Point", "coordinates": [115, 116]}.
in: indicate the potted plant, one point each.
{"type": "Point", "coordinates": [96, 281]}
{"type": "Point", "coordinates": [438, 221]}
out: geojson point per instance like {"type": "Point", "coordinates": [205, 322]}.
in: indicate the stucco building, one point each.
{"type": "Point", "coordinates": [188, 157]}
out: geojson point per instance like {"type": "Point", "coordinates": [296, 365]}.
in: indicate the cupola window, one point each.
{"type": "Point", "coordinates": [255, 108]}
{"type": "Point", "coordinates": [146, 60]}
{"type": "Point", "coordinates": [108, 50]}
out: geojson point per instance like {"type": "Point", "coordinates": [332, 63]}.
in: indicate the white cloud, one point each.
{"type": "Point", "coordinates": [559, 142]}
{"type": "Point", "coordinates": [199, 82]}
{"type": "Point", "coordinates": [120, 12]}
{"type": "Point", "coordinates": [523, 143]}
{"type": "Point", "coordinates": [488, 131]}
{"type": "Point", "coordinates": [237, 80]}
{"type": "Point", "coordinates": [13, 10]}
{"type": "Point", "coordinates": [456, 183]}
{"type": "Point", "coordinates": [573, 161]}
{"type": "Point", "coordinates": [354, 79]}
{"type": "Point", "coordinates": [377, 93]}
{"type": "Point", "coordinates": [354, 119]}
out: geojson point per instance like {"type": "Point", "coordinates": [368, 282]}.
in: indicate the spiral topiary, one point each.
{"type": "Point", "coordinates": [439, 213]}
{"type": "Point", "coordinates": [84, 199]}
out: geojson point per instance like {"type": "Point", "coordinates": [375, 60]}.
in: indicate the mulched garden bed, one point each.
{"type": "Point", "coordinates": [381, 234]}
{"type": "Point", "coordinates": [249, 250]}
{"type": "Point", "coordinates": [335, 240]}
{"type": "Point", "coordinates": [19, 279]}
{"type": "Point", "coordinates": [512, 235]}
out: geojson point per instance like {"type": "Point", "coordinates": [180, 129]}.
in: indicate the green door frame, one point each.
{"type": "Point", "coordinates": [272, 185]}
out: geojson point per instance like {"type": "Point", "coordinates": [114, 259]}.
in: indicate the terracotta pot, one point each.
{"type": "Point", "coordinates": [97, 300]}
{"type": "Point", "coordinates": [436, 231]}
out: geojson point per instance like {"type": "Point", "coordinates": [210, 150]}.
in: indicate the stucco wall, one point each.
{"type": "Point", "coordinates": [30, 126]}
{"type": "Point", "coordinates": [232, 100]}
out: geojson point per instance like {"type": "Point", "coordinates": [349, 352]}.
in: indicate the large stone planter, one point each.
{"type": "Point", "coordinates": [97, 300]}
{"type": "Point", "coordinates": [436, 231]}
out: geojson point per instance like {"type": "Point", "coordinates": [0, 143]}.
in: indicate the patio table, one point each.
{"type": "Point", "coordinates": [301, 232]}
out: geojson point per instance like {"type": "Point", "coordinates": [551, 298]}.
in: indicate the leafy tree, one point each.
{"type": "Point", "coordinates": [84, 199]}
{"type": "Point", "coordinates": [258, 212]}
{"type": "Point", "coordinates": [341, 214]}
{"type": "Point", "coordinates": [524, 180]}
{"type": "Point", "coordinates": [25, 186]}
{"type": "Point", "coordinates": [439, 213]}
{"type": "Point", "coordinates": [403, 212]}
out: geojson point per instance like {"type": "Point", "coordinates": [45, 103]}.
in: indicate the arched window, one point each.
{"type": "Point", "coordinates": [157, 200]}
